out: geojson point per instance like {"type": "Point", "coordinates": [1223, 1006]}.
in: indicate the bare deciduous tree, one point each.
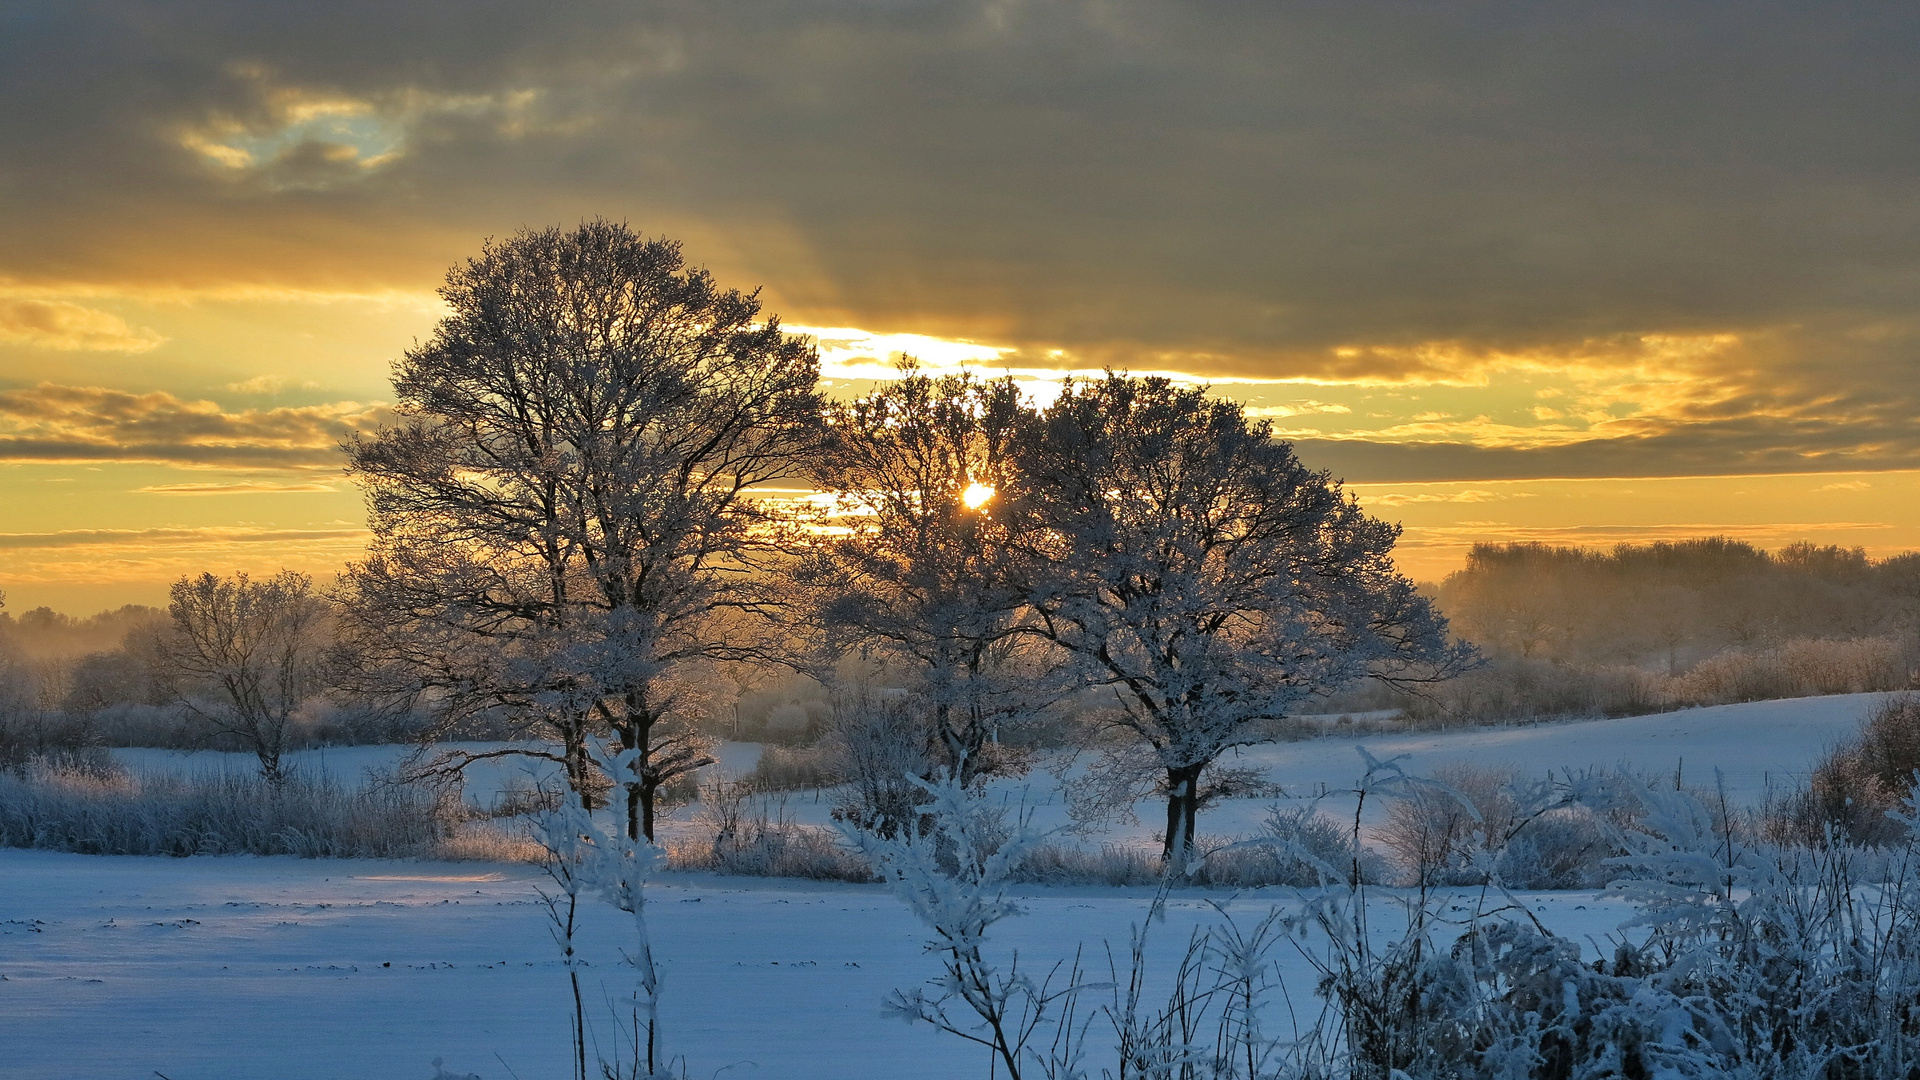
{"type": "Point", "coordinates": [1193, 565]}
{"type": "Point", "coordinates": [563, 506]}
{"type": "Point", "coordinates": [243, 655]}
{"type": "Point", "coordinates": [918, 573]}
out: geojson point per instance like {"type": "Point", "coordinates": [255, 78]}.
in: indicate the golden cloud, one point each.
{"type": "Point", "coordinates": [1470, 495]}
{"type": "Point", "coordinates": [259, 487]}
{"type": "Point", "coordinates": [1308, 407]}
{"type": "Point", "coordinates": [149, 537]}
{"type": "Point", "coordinates": [50, 423]}
{"type": "Point", "coordinates": [62, 324]}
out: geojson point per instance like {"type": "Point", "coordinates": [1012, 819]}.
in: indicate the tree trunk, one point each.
{"type": "Point", "coordinates": [1183, 804]}
{"type": "Point", "coordinates": [575, 751]}
{"type": "Point", "coordinates": [636, 733]}
{"type": "Point", "coordinates": [270, 769]}
{"type": "Point", "coordinates": [961, 761]}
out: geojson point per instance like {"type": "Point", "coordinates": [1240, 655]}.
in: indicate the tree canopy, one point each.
{"type": "Point", "coordinates": [1195, 567]}
{"type": "Point", "coordinates": [561, 509]}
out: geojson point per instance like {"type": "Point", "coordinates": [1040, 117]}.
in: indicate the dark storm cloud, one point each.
{"type": "Point", "coordinates": [1231, 189]}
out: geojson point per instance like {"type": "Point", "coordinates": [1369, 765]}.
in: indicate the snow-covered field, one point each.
{"type": "Point", "coordinates": [276, 969]}
{"type": "Point", "coordinates": [209, 968]}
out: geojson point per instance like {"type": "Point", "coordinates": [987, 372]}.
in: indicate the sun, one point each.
{"type": "Point", "coordinates": [976, 495]}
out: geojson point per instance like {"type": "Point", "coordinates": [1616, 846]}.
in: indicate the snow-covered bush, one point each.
{"type": "Point", "coordinates": [1796, 668]}
{"type": "Point", "coordinates": [1478, 820]}
{"type": "Point", "coordinates": [1751, 961]}
{"type": "Point", "coordinates": [1435, 831]}
{"type": "Point", "coordinates": [1861, 786]}
{"type": "Point", "coordinates": [1789, 962]}
{"type": "Point", "coordinates": [752, 836]}
{"type": "Point", "coordinates": [1304, 831]}
{"type": "Point", "coordinates": [1271, 859]}
{"type": "Point", "coordinates": [1512, 688]}
{"type": "Point", "coordinates": [881, 746]}
{"type": "Point", "coordinates": [1298, 847]}
{"type": "Point", "coordinates": [1564, 848]}
{"type": "Point", "coordinates": [1108, 864]}
{"type": "Point", "coordinates": [794, 768]}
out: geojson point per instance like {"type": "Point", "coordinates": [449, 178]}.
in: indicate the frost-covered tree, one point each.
{"type": "Point", "coordinates": [1195, 567]}
{"type": "Point", "coordinates": [917, 573]}
{"type": "Point", "coordinates": [562, 510]}
{"type": "Point", "coordinates": [243, 655]}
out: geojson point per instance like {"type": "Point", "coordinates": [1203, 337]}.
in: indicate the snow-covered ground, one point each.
{"type": "Point", "coordinates": [1753, 745]}
{"type": "Point", "coordinates": [118, 968]}
{"type": "Point", "coordinates": [210, 968]}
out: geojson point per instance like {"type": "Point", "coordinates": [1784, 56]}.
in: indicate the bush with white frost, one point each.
{"type": "Point", "coordinates": [1475, 821]}
{"type": "Point", "coordinates": [1744, 960]}
{"type": "Point", "coordinates": [752, 836]}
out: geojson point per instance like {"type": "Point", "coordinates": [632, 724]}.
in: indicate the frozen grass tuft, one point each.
{"type": "Point", "coordinates": [1109, 864]}
{"type": "Point", "coordinates": [59, 806]}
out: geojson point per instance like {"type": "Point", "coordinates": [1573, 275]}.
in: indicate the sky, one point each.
{"type": "Point", "coordinates": [1574, 272]}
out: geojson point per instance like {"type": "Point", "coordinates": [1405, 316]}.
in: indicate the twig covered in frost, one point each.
{"type": "Point", "coordinates": [953, 877]}
{"type": "Point", "coordinates": [608, 862]}
{"type": "Point", "coordinates": [563, 909]}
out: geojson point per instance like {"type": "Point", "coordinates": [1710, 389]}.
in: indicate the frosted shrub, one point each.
{"type": "Point", "coordinates": [1109, 864]}
{"type": "Point", "coordinates": [1475, 820]}
{"type": "Point", "coordinates": [1435, 831]}
{"type": "Point", "coordinates": [752, 837]}
{"type": "Point", "coordinates": [1796, 668]}
{"type": "Point", "coordinates": [1299, 847]}
{"type": "Point", "coordinates": [1754, 963]}
{"type": "Point", "coordinates": [881, 747]}
{"type": "Point", "coordinates": [1564, 848]}
{"type": "Point", "coordinates": [1512, 688]}
{"type": "Point", "coordinates": [1792, 964]}
{"type": "Point", "coordinates": [1860, 787]}
{"type": "Point", "coordinates": [1271, 859]}
{"type": "Point", "coordinates": [795, 768]}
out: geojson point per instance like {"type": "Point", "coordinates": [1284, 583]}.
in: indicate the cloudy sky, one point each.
{"type": "Point", "coordinates": [1582, 272]}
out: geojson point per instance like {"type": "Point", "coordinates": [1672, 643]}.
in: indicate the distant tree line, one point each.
{"type": "Point", "coordinates": [1669, 605]}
